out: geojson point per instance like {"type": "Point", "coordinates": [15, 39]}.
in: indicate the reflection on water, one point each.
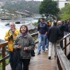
{"type": "Point", "coordinates": [4, 27]}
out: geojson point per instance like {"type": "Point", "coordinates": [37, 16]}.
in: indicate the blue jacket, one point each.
{"type": "Point", "coordinates": [42, 28]}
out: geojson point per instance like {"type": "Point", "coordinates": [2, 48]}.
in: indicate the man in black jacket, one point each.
{"type": "Point", "coordinates": [53, 34]}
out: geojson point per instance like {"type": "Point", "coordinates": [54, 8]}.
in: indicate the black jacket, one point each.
{"type": "Point", "coordinates": [42, 28]}
{"type": "Point", "coordinates": [53, 34]}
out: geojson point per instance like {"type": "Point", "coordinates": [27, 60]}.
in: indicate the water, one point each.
{"type": "Point", "coordinates": [4, 28]}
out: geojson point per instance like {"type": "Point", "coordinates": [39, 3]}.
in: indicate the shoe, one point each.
{"type": "Point", "coordinates": [38, 53]}
{"type": "Point", "coordinates": [49, 57]}
{"type": "Point", "coordinates": [46, 49]}
{"type": "Point", "coordinates": [43, 50]}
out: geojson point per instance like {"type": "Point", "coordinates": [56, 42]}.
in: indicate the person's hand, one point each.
{"type": "Point", "coordinates": [25, 48]}
{"type": "Point", "coordinates": [18, 46]}
{"type": "Point", "coordinates": [10, 37]}
{"type": "Point", "coordinates": [45, 33]}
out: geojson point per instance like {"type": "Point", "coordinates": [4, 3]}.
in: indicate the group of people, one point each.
{"type": "Point", "coordinates": [21, 42]}
{"type": "Point", "coordinates": [49, 35]}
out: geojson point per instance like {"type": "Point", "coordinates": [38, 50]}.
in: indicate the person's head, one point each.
{"type": "Point", "coordinates": [68, 20]}
{"type": "Point", "coordinates": [12, 26]}
{"type": "Point", "coordinates": [49, 24]}
{"type": "Point", "coordinates": [59, 22]}
{"type": "Point", "coordinates": [55, 24]}
{"type": "Point", "coordinates": [42, 20]}
{"type": "Point", "coordinates": [23, 29]}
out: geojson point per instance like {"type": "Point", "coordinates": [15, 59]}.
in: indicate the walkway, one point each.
{"type": "Point", "coordinates": [40, 62]}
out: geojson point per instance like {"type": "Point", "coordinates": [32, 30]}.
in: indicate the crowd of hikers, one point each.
{"type": "Point", "coordinates": [49, 34]}
{"type": "Point", "coordinates": [21, 44]}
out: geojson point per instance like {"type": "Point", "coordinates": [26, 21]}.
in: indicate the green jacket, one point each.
{"type": "Point", "coordinates": [25, 41]}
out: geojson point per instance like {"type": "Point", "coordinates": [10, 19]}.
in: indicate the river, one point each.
{"type": "Point", "coordinates": [4, 27]}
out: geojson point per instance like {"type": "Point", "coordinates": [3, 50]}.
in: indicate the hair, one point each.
{"type": "Point", "coordinates": [12, 23]}
{"type": "Point", "coordinates": [25, 27]}
{"type": "Point", "coordinates": [43, 19]}
{"type": "Point", "coordinates": [55, 23]}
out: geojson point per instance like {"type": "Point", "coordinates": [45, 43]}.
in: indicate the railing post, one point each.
{"type": "Point", "coordinates": [3, 55]}
{"type": "Point", "coordinates": [65, 46]}
{"type": "Point", "coordinates": [58, 64]}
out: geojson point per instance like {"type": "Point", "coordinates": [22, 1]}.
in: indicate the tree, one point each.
{"type": "Point", "coordinates": [48, 7]}
{"type": "Point", "coordinates": [32, 6]}
{"type": "Point", "coordinates": [65, 12]}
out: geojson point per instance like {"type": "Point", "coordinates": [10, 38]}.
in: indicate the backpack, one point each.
{"type": "Point", "coordinates": [32, 53]}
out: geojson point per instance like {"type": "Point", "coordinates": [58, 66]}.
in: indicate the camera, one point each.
{"type": "Point", "coordinates": [11, 37]}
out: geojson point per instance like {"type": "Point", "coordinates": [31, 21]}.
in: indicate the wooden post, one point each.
{"type": "Point", "coordinates": [58, 64]}
{"type": "Point", "coordinates": [65, 46]}
{"type": "Point", "coordinates": [2, 45]}
{"type": "Point", "coordinates": [3, 55]}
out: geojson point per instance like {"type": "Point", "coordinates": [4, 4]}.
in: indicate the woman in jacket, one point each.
{"type": "Point", "coordinates": [25, 42]}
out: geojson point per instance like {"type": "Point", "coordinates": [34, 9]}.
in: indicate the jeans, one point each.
{"type": "Point", "coordinates": [19, 66]}
{"type": "Point", "coordinates": [11, 61]}
{"type": "Point", "coordinates": [41, 39]}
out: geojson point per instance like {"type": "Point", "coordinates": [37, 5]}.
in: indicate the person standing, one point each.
{"type": "Point", "coordinates": [62, 28]}
{"type": "Point", "coordinates": [25, 43]}
{"type": "Point", "coordinates": [10, 37]}
{"type": "Point", "coordinates": [42, 32]}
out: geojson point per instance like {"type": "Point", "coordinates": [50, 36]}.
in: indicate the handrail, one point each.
{"type": "Point", "coordinates": [4, 58]}
{"type": "Point", "coordinates": [66, 44]}
{"type": "Point", "coordinates": [64, 37]}
{"type": "Point", "coordinates": [62, 61]}
{"type": "Point", "coordinates": [3, 44]}
{"type": "Point", "coordinates": [34, 34]}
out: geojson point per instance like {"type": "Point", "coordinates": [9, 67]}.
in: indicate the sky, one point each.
{"type": "Point", "coordinates": [34, 0]}
{"type": "Point", "coordinates": [38, 0]}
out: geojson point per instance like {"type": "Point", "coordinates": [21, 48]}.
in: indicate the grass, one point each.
{"type": "Point", "coordinates": [7, 62]}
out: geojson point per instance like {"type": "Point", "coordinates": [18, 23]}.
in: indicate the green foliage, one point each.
{"type": "Point", "coordinates": [7, 61]}
{"type": "Point", "coordinates": [65, 12]}
{"type": "Point", "coordinates": [48, 7]}
{"type": "Point", "coordinates": [36, 24]}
